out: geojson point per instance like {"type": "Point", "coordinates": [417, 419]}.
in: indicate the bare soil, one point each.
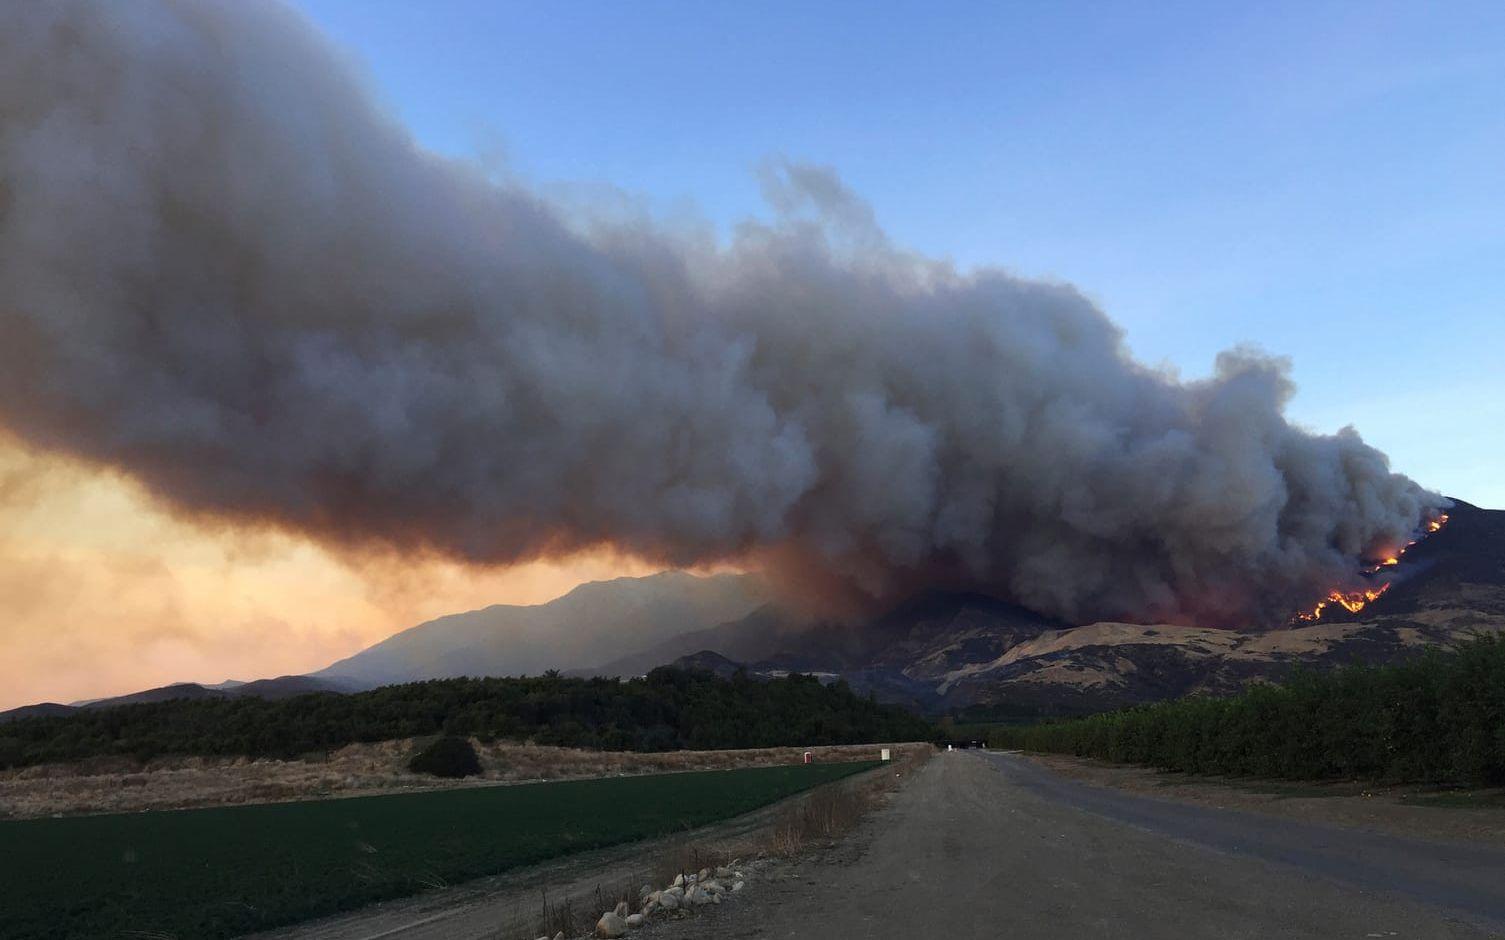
{"type": "Point", "coordinates": [121, 785]}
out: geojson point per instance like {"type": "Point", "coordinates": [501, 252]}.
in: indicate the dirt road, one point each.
{"type": "Point", "coordinates": [995, 846]}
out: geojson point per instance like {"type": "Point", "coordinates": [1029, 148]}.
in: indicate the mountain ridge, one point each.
{"type": "Point", "coordinates": [593, 622]}
{"type": "Point", "coordinates": [945, 652]}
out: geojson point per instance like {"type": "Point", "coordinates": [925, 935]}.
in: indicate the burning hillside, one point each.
{"type": "Point", "coordinates": [1388, 571]}
{"type": "Point", "coordinates": [1351, 601]}
{"type": "Point", "coordinates": [946, 651]}
{"type": "Point", "coordinates": [227, 274]}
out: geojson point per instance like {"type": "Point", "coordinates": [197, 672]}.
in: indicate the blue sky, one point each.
{"type": "Point", "coordinates": [1321, 179]}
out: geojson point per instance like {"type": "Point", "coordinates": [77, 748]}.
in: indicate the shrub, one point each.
{"type": "Point", "coordinates": [449, 756]}
{"type": "Point", "coordinates": [1439, 719]}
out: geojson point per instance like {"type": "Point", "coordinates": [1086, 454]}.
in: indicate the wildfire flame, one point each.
{"type": "Point", "coordinates": [1351, 601]}
{"type": "Point", "coordinates": [1355, 601]}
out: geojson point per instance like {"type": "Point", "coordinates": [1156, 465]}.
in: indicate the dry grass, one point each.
{"type": "Point", "coordinates": [123, 785]}
{"type": "Point", "coordinates": [817, 818]}
{"type": "Point", "coordinates": [558, 917]}
{"type": "Point", "coordinates": [831, 811]}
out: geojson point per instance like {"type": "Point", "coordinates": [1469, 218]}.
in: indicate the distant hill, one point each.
{"type": "Point", "coordinates": [594, 623]}
{"type": "Point", "coordinates": [707, 661]}
{"type": "Point", "coordinates": [40, 710]}
{"type": "Point", "coordinates": [281, 687]}
{"type": "Point", "coordinates": [758, 635]}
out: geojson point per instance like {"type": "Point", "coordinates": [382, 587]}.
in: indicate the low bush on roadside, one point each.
{"type": "Point", "coordinates": [450, 756]}
{"type": "Point", "coordinates": [1439, 719]}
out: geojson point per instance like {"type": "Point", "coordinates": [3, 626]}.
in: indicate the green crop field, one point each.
{"type": "Point", "coordinates": [221, 872]}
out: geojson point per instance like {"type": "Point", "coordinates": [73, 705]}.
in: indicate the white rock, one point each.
{"type": "Point", "coordinates": [736, 886]}
{"type": "Point", "coordinates": [713, 886]}
{"type": "Point", "coordinates": [669, 901]}
{"type": "Point", "coordinates": [621, 909]}
{"type": "Point", "coordinates": [679, 880]}
{"type": "Point", "coordinates": [610, 925]}
{"type": "Point", "coordinates": [634, 921]}
{"type": "Point", "coordinates": [650, 908]}
{"type": "Point", "coordinates": [703, 875]}
{"type": "Point", "coordinates": [559, 935]}
{"type": "Point", "coordinates": [700, 897]}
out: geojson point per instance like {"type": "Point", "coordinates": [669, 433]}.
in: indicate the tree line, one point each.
{"type": "Point", "coordinates": [669, 709]}
{"type": "Point", "coordinates": [1438, 719]}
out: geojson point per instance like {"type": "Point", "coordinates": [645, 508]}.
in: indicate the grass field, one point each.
{"type": "Point", "coordinates": [221, 872]}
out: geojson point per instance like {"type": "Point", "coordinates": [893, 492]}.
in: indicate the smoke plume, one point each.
{"type": "Point", "coordinates": [228, 273]}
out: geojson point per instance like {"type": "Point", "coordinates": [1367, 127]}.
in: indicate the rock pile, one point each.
{"type": "Point", "coordinates": [705, 887]}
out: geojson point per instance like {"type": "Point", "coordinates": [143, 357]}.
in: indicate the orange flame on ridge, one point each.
{"type": "Point", "coordinates": [1355, 601]}
{"type": "Point", "coordinates": [1351, 601]}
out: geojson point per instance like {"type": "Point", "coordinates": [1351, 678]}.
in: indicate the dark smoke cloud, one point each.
{"type": "Point", "coordinates": [227, 273]}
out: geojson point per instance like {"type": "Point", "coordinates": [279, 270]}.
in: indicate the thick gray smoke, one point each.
{"type": "Point", "coordinates": [227, 273]}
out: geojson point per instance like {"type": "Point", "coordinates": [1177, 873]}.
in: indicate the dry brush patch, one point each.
{"type": "Point", "coordinates": [831, 811]}
{"type": "Point", "coordinates": [107, 785]}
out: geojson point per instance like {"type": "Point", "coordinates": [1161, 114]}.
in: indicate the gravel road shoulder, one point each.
{"type": "Point", "coordinates": [1416, 812]}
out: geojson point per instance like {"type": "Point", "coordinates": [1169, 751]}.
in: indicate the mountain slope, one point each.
{"type": "Point", "coordinates": [943, 652]}
{"type": "Point", "coordinates": [594, 623]}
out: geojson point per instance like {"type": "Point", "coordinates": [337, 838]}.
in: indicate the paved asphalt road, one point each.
{"type": "Point", "coordinates": [992, 845]}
